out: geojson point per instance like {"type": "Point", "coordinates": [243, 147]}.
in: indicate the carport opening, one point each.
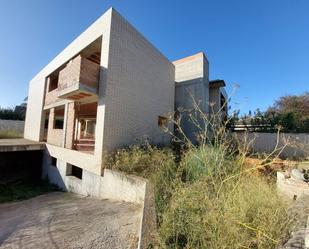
{"type": "Point", "coordinates": [75, 171]}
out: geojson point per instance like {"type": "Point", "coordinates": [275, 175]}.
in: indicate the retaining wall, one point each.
{"type": "Point", "coordinates": [298, 143]}
{"type": "Point", "coordinates": [112, 185]}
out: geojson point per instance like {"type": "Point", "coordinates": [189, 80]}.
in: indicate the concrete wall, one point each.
{"type": "Point", "coordinates": [192, 78]}
{"type": "Point", "coordinates": [214, 100]}
{"type": "Point", "coordinates": [291, 187]}
{"type": "Point", "coordinates": [83, 160]}
{"type": "Point", "coordinates": [12, 125]}
{"type": "Point", "coordinates": [266, 142]}
{"type": "Point", "coordinates": [192, 83]}
{"type": "Point", "coordinates": [112, 185]}
{"type": "Point", "coordinates": [139, 88]}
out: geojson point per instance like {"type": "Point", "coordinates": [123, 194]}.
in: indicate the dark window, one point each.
{"type": "Point", "coordinates": [54, 161]}
{"type": "Point", "coordinates": [77, 172]}
{"type": "Point", "coordinates": [58, 123]}
{"type": "Point", "coordinates": [162, 121]}
{"type": "Point", "coordinates": [46, 120]}
{"type": "Point", "coordinates": [73, 170]}
{"type": "Point", "coordinates": [53, 82]}
{"type": "Point", "coordinates": [59, 118]}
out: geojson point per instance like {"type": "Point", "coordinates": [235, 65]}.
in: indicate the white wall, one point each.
{"type": "Point", "coordinates": [298, 143]}
{"type": "Point", "coordinates": [139, 88]}
{"type": "Point", "coordinates": [34, 119]}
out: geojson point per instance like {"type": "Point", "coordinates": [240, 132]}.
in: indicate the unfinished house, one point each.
{"type": "Point", "coordinates": [109, 88]}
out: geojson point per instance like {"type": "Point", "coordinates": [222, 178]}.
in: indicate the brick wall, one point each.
{"type": "Point", "coordinates": [54, 136]}
{"type": "Point", "coordinates": [79, 70]}
{"type": "Point", "coordinates": [89, 73]}
{"type": "Point", "coordinates": [52, 96]}
{"type": "Point", "coordinates": [70, 74]}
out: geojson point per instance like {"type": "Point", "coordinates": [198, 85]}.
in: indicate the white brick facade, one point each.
{"type": "Point", "coordinates": [135, 87]}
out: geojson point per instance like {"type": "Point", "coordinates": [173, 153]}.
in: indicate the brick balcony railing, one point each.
{"type": "Point", "coordinates": [79, 71]}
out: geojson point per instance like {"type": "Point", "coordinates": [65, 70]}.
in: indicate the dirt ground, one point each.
{"type": "Point", "coordinates": [64, 220]}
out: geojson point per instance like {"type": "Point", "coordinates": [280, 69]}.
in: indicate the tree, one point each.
{"type": "Point", "coordinates": [291, 112]}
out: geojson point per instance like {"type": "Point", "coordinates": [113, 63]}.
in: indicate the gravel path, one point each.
{"type": "Point", "coordinates": [65, 220]}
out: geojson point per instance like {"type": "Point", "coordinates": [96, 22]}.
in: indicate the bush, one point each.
{"type": "Point", "coordinates": [207, 198]}
{"type": "Point", "coordinates": [153, 163]}
{"type": "Point", "coordinates": [197, 208]}
{"type": "Point", "coordinates": [244, 212]}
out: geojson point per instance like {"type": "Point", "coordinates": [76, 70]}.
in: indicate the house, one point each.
{"type": "Point", "coordinates": [107, 89]}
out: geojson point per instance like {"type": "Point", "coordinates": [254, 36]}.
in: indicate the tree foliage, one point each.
{"type": "Point", "coordinates": [12, 113]}
{"type": "Point", "coordinates": [291, 112]}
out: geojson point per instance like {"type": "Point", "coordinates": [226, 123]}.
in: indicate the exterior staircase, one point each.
{"type": "Point", "coordinates": [84, 144]}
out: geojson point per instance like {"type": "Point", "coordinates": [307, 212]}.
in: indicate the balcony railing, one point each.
{"type": "Point", "coordinates": [79, 79]}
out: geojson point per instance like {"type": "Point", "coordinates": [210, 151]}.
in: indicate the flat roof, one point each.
{"type": "Point", "coordinates": [216, 83]}
{"type": "Point", "coordinates": [190, 58]}
{"type": "Point", "coordinates": [20, 144]}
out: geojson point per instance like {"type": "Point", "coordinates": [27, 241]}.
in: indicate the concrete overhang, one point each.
{"type": "Point", "coordinates": [77, 91]}
{"type": "Point", "coordinates": [20, 144]}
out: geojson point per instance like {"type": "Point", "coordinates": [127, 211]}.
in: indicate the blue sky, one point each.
{"type": "Point", "coordinates": [261, 45]}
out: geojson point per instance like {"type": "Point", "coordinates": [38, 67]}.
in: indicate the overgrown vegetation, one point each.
{"type": "Point", "coordinates": [24, 189]}
{"type": "Point", "coordinates": [205, 195]}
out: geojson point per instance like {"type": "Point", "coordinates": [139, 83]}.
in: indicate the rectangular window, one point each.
{"type": "Point", "coordinates": [53, 81]}
{"type": "Point", "coordinates": [162, 121]}
{"type": "Point", "coordinates": [73, 170]}
{"type": "Point", "coordinates": [54, 161]}
{"type": "Point", "coordinates": [59, 118]}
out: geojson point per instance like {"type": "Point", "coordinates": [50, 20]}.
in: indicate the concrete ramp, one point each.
{"type": "Point", "coordinates": [66, 220]}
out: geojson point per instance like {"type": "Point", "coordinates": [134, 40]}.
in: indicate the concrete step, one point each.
{"type": "Point", "coordinates": [84, 147]}
{"type": "Point", "coordinates": [85, 141]}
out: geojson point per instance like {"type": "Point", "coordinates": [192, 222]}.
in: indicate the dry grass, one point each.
{"type": "Point", "coordinates": [10, 134]}
{"type": "Point", "coordinates": [194, 208]}
{"type": "Point", "coordinates": [212, 196]}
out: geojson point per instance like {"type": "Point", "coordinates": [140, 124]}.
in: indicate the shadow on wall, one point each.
{"type": "Point", "coordinates": [51, 172]}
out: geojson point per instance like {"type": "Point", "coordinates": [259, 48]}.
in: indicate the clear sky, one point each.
{"type": "Point", "coordinates": [262, 45]}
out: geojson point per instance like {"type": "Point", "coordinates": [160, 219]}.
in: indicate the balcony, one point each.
{"type": "Point", "coordinates": [78, 80]}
